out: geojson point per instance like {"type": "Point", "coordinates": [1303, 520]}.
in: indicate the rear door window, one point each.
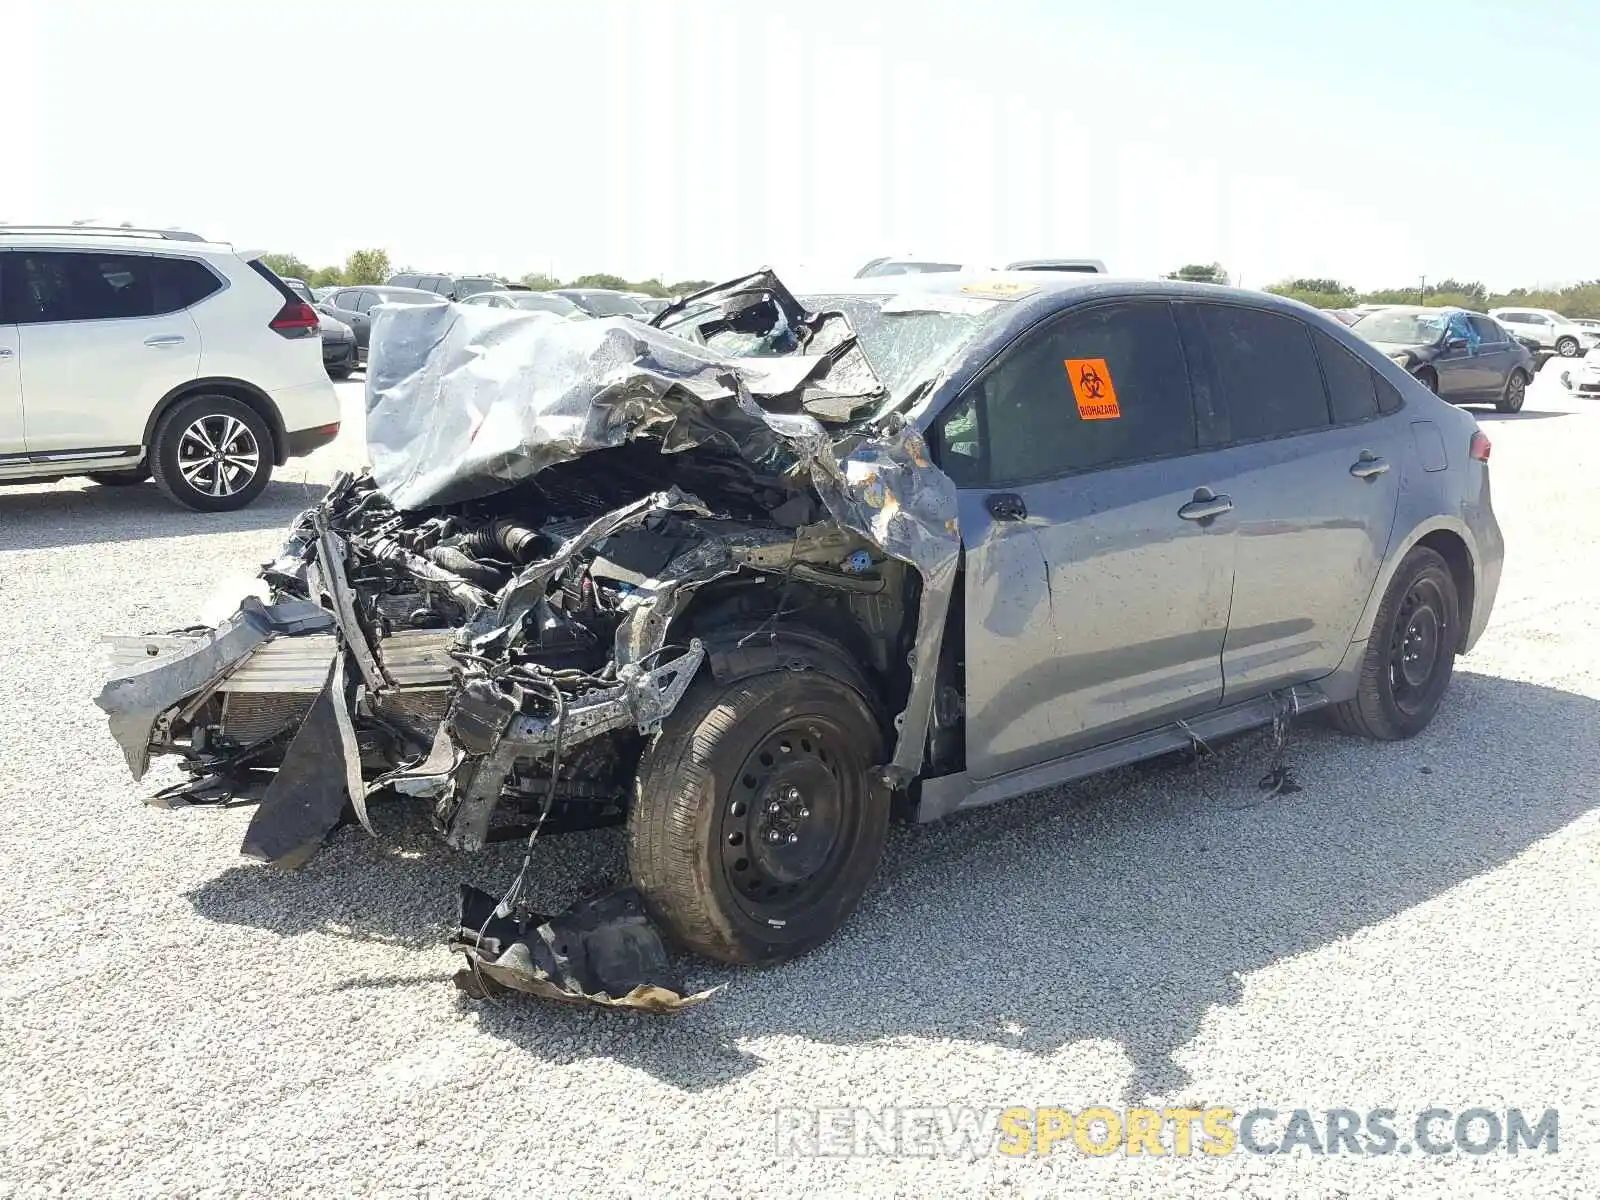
{"type": "Point", "coordinates": [1266, 371]}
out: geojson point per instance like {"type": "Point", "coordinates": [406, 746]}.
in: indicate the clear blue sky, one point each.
{"type": "Point", "coordinates": [1369, 141]}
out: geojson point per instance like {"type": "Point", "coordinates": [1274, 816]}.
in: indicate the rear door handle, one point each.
{"type": "Point", "coordinates": [1369, 466]}
{"type": "Point", "coordinates": [1206, 506]}
{"type": "Point", "coordinates": [157, 341]}
{"type": "Point", "coordinates": [1006, 506]}
{"type": "Point", "coordinates": [4, 353]}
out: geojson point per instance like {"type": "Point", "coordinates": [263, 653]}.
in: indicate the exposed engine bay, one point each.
{"type": "Point", "coordinates": [565, 524]}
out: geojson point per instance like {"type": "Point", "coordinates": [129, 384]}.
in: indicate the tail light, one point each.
{"type": "Point", "coordinates": [1480, 446]}
{"type": "Point", "coordinates": [295, 319]}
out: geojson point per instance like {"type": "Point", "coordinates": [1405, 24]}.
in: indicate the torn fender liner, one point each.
{"type": "Point", "coordinates": [307, 798]}
{"type": "Point", "coordinates": [601, 951]}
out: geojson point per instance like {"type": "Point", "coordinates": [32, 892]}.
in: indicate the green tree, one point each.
{"type": "Point", "coordinates": [325, 277]}
{"type": "Point", "coordinates": [286, 266]}
{"type": "Point", "coordinates": [1201, 273]}
{"type": "Point", "coordinates": [367, 266]}
{"type": "Point", "coordinates": [540, 282]}
{"type": "Point", "coordinates": [685, 287]}
{"type": "Point", "coordinates": [615, 282]}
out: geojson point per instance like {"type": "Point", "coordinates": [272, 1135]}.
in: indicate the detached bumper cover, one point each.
{"type": "Point", "coordinates": [602, 951]}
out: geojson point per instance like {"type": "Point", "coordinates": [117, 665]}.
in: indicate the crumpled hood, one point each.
{"type": "Point", "coordinates": [1415, 349]}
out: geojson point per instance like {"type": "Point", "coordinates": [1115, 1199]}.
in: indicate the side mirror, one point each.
{"type": "Point", "coordinates": [1456, 343]}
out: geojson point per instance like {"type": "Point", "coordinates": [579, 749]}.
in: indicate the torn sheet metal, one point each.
{"type": "Point", "coordinates": [307, 797]}
{"type": "Point", "coordinates": [883, 486]}
{"type": "Point", "coordinates": [137, 701]}
{"type": "Point", "coordinates": [602, 951]}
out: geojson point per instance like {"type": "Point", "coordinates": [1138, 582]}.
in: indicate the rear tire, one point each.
{"type": "Point", "coordinates": [212, 454]}
{"type": "Point", "coordinates": [1567, 347]}
{"type": "Point", "coordinates": [1516, 392]}
{"type": "Point", "coordinates": [1411, 654]}
{"type": "Point", "coordinates": [337, 373]}
{"type": "Point", "coordinates": [756, 823]}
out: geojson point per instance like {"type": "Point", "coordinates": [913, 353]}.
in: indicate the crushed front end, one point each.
{"type": "Point", "coordinates": [493, 618]}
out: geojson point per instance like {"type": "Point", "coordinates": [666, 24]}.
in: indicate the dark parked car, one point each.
{"type": "Point", "coordinates": [652, 305]}
{"type": "Point", "coordinates": [354, 305]}
{"type": "Point", "coordinates": [1463, 357]}
{"type": "Point", "coordinates": [942, 543]}
{"type": "Point", "coordinates": [340, 354]}
{"type": "Point", "coordinates": [604, 302]}
{"type": "Point", "coordinates": [528, 301]}
{"type": "Point", "coordinates": [451, 287]}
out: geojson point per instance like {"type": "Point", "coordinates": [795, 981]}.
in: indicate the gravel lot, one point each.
{"type": "Point", "coordinates": [1417, 927]}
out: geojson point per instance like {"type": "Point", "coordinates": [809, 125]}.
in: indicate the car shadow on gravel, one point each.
{"type": "Point", "coordinates": [1122, 909]}
{"type": "Point", "coordinates": [45, 518]}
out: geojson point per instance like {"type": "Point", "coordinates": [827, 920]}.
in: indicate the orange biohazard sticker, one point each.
{"type": "Point", "coordinates": [1092, 388]}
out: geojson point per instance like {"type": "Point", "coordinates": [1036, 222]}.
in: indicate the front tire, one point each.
{"type": "Point", "coordinates": [1516, 392]}
{"type": "Point", "coordinates": [1567, 347]}
{"type": "Point", "coordinates": [212, 454]}
{"type": "Point", "coordinates": [1411, 654]}
{"type": "Point", "coordinates": [757, 824]}
{"type": "Point", "coordinates": [1429, 379]}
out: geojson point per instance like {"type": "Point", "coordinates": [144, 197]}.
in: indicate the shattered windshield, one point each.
{"type": "Point", "coordinates": [610, 304]}
{"type": "Point", "coordinates": [1401, 328]}
{"type": "Point", "coordinates": [907, 344]}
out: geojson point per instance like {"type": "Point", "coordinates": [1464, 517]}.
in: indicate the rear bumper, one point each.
{"type": "Point", "coordinates": [302, 442]}
{"type": "Point", "coordinates": [340, 354]}
{"type": "Point", "coordinates": [304, 407]}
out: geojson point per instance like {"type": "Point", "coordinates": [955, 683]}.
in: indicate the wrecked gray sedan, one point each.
{"type": "Point", "coordinates": [751, 576]}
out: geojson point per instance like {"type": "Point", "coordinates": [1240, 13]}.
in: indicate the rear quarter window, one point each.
{"type": "Point", "coordinates": [182, 283]}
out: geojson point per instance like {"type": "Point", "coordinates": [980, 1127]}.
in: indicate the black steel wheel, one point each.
{"type": "Point", "coordinates": [1410, 655]}
{"type": "Point", "coordinates": [757, 823]}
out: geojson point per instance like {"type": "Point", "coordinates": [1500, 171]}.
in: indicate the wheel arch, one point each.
{"type": "Point", "coordinates": [1453, 542]}
{"type": "Point", "coordinates": [236, 389]}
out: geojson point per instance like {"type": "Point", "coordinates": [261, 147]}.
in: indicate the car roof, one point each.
{"type": "Point", "coordinates": [67, 240]}
{"type": "Point", "coordinates": [1428, 308]}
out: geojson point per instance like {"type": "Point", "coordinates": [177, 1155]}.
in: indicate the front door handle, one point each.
{"type": "Point", "coordinates": [1006, 506]}
{"type": "Point", "coordinates": [160, 340]}
{"type": "Point", "coordinates": [1369, 466]}
{"type": "Point", "coordinates": [1206, 506]}
{"type": "Point", "coordinates": [4, 352]}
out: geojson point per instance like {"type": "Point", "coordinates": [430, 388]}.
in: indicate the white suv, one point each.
{"type": "Point", "coordinates": [127, 354]}
{"type": "Point", "coordinates": [1549, 328]}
